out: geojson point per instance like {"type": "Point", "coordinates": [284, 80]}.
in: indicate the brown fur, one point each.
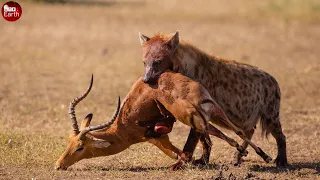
{"type": "Point", "coordinates": [246, 93]}
{"type": "Point", "coordinates": [140, 105]}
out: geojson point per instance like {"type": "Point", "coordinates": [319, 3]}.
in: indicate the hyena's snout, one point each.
{"type": "Point", "coordinates": [150, 76]}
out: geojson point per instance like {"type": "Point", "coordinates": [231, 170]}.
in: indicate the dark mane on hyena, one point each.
{"type": "Point", "coordinates": [246, 93]}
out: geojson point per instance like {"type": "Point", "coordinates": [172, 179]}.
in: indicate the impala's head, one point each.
{"type": "Point", "coordinates": [81, 143]}
{"type": "Point", "coordinates": [157, 54]}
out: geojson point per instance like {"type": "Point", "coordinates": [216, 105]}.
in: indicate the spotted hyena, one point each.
{"type": "Point", "coordinates": [246, 93]}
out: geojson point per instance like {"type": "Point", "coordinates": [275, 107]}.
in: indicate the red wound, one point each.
{"type": "Point", "coordinates": [163, 127]}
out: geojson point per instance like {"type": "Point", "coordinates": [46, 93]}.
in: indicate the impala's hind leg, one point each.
{"type": "Point", "coordinates": [215, 111]}
{"type": "Point", "coordinates": [216, 132]}
{"type": "Point", "coordinates": [238, 155]}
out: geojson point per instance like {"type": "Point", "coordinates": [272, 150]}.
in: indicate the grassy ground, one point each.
{"type": "Point", "coordinates": [47, 58]}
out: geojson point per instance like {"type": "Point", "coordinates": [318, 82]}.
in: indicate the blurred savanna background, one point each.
{"type": "Point", "coordinates": [49, 54]}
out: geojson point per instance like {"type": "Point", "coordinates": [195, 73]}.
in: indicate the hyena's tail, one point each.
{"type": "Point", "coordinates": [270, 113]}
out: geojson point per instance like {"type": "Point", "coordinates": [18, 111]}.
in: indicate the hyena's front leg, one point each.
{"type": "Point", "coordinates": [189, 148]}
{"type": "Point", "coordinates": [206, 150]}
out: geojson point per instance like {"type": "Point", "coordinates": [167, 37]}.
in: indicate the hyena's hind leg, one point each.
{"type": "Point", "coordinates": [238, 155]}
{"type": "Point", "coordinates": [277, 133]}
{"type": "Point", "coordinates": [270, 121]}
{"type": "Point", "coordinates": [275, 128]}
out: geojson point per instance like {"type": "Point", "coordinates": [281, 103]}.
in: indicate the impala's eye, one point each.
{"type": "Point", "coordinates": [80, 149]}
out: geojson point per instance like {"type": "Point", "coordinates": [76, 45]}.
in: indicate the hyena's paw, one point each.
{"type": "Point", "coordinates": [199, 162]}
{"type": "Point", "coordinates": [281, 162]}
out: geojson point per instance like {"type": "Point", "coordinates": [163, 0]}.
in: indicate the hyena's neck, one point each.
{"type": "Point", "coordinates": [194, 63]}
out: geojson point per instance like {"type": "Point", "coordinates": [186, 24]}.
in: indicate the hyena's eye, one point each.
{"type": "Point", "coordinates": [156, 63]}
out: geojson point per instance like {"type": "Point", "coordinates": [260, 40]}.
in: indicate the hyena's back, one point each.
{"type": "Point", "coordinates": [245, 92]}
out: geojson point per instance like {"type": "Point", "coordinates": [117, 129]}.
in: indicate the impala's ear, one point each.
{"type": "Point", "coordinates": [143, 38]}
{"type": "Point", "coordinates": [173, 42]}
{"type": "Point", "coordinates": [101, 144]}
{"type": "Point", "coordinates": [86, 121]}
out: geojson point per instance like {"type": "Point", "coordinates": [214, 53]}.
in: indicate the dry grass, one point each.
{"type": "Point", "coordinates": [48, 55]}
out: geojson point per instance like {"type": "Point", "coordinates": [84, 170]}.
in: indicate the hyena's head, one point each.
{"type": "Point", "coordinates": [157, 55]}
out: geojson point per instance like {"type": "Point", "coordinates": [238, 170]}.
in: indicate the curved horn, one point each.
{"type": "Point", "coordinates": [74, 103]}
{"type": "Point", "coordinates": [102, 126]}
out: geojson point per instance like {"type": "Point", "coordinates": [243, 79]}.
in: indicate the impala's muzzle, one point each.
{"type": "Point", "coordinates": [60, 168]}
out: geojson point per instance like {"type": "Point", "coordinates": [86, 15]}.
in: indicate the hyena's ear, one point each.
{"type": "Point", "coordinates": [173, 42]}
{"type": "Point", "coordinates": [143, 38]}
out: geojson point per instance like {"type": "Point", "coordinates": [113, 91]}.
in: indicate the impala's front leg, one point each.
{"type": "Point", "coordinates": [165, 145]}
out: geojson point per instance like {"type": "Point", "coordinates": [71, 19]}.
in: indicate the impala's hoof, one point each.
{"type": "Point", "coordinates": [268, 159]}
{"type": "Point", "coordinates": [176, 166]}
{"type": "Point", "coordinates": [238, 162]}
{"type": "Point", "coordinates": [244, 153]}
{"type": "Point", "coordinates": [238, 158]}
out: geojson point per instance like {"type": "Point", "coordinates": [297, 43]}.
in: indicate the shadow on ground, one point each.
{"type": "Point", "coordinates": [146, 169]}
{"type": "Point", "coordinates": [292, 167]}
